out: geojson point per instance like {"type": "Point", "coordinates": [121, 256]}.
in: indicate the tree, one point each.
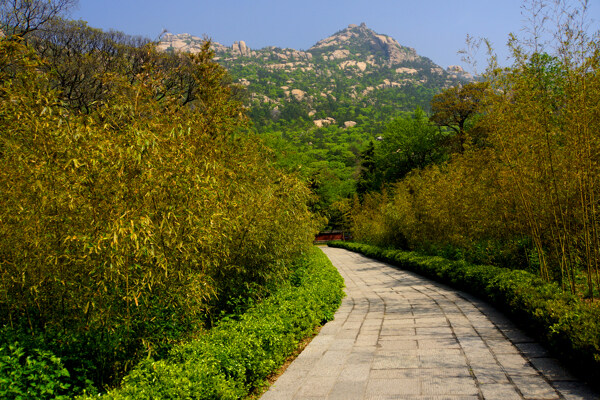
{"type": "Point", "coordinates": [408, 144]}
{"type": "Point", "coordinates": [454, 107]}
{"type": "Point", "coordinates": [78, 58]}
{"type": "Point", "coordinates": [21, 17]}
{"type": "Point", "coordinates": [367, 180]}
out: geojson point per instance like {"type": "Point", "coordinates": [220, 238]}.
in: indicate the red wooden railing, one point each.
{"type": "Point", "coordinates": [323, 237]}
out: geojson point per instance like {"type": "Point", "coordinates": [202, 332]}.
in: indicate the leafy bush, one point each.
{"type": "Point", "coordinates": [236, 356]}
{"type": "Point", "coordinates": [34, 374]}
{"type": "Point", "coordinates": [566, 324]}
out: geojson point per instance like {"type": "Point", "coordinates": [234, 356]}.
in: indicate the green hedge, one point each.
{"type": "Point", "coordinates": [31, 374]}
{"type": "Point", "coordinates": [569, 327]}
{"type": "Point", "coordinates": [238, 354]}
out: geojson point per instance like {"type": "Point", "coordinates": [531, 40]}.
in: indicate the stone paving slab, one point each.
{"type": "Point", "coordinates": [400, 336]}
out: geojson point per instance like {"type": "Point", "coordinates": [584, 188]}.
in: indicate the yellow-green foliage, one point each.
{"type": "Point", "coordinates": [140, 216]}
{"type": "Point", "coordinates": [544, 117]}
{"type": "Point", "coordinates": [439, 204]}
{"type": "Point", "coordinates": [531, 172]}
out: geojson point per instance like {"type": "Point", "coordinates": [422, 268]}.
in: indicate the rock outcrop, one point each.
{"type": "Point", "coordinates": [319, 123]}
{"type": "Point", "coordinates": [240, 48]}
{"type": "Point", "coordinates": [351, 63]}
{"type": "Point", "coordinates": [298, 94]}
{"type": "Point", "coordinates": [403, 70]}
{"type": "Point", "coordinates": [456, 71]}
{"type": "Point", "coordinates": [186, 43]}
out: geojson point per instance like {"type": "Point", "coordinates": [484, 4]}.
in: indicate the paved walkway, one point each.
{"type": "Point", "coordinates": [400, 336]}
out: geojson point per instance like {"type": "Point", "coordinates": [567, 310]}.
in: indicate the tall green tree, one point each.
{"type": "Point", "coordinates": [407, 144]}
{"type": "Point", "coordinates": [455, 107]}
{"type": "Point", "coordinates": [368, 180]}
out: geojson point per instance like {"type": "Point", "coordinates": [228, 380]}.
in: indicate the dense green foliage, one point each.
{"type": "Point", "coordinates": [134, 218]}
{"type": "Point", "coordinates": [31, 374]}
{"type": "Point", "coordinates": [238, 354]}
{"type": "Point", "coordinates": [566, 324]}
{"type": "Point", "coordinates": [339, 162]}
{"type": "Point", "coordinates": [407, 143]}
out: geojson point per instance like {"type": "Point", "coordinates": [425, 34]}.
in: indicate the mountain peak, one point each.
{"type": "Point", "coordinates": [361, 26]}
{"type": "Point", "coordinates": [360, 40]}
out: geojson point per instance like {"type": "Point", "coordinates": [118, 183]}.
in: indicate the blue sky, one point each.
{"type": "Point", "coordinates": [435, 28]}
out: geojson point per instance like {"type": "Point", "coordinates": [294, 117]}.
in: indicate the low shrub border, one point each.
{"type": "Point", "coordinates": [236, 356]}
{"type": "Point", "coordinates": [568, 326]}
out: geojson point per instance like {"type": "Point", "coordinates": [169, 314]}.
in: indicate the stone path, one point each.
{"type": "Point", "coordinates": [401, 336]}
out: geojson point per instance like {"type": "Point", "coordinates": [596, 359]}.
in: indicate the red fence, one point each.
{"type": "Point", "coordinates": [323, 237]}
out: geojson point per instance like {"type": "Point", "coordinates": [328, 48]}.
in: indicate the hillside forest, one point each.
{"type": "Point", "coordinates": [148, 195]}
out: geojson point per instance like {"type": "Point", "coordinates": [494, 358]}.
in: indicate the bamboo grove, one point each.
{"type": "Point", "coordinates": [135, 205]}
{"type": "Point", "coordinates": [524, 190]}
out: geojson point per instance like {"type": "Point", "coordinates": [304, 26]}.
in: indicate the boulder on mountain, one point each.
{"type": "Point", "coordinates": [455, 69]}
{"type": "Point", "coordinates": [340, 54]}
{"type": "Point", "coordinates": [241, 48]}
{"type": "Point", "coordinates": [298, 94]}
{"type": "Point", "coordinates": [404, 70]}
{"type": "Point", "coordinates": [319, 123]}
{"type": "Point", "coordinates": [351, 63]}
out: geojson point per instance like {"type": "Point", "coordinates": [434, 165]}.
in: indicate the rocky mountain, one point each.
{"type": "Point", "coordinates": [340, 77]}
